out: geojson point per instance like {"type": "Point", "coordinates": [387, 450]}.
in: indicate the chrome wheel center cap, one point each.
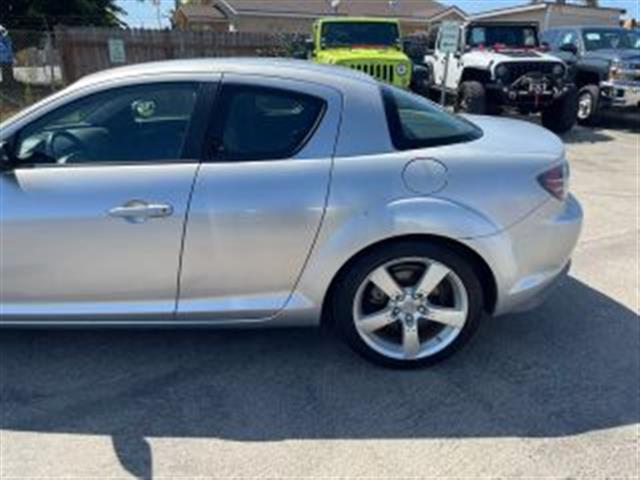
{"type": "Point", "coordinates": [408, 306]}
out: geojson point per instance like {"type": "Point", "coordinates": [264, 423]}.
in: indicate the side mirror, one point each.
{"type": "Point", "coordinates": [301, 49]}
{"type": "Point", "coordinates": [6, 156]}
{"type": "Point", "coordinates": [569, 48]}
{"type": "Point", "coordinates": [306, 49]}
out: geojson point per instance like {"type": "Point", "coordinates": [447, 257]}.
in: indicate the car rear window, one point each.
{"type": "Point", "coordinates": [265, 123]}
{"type": "Point", "coordinates": [415, 122]}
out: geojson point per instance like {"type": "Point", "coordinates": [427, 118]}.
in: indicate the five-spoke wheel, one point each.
{"type": "Point", "coordinates": [411, 303]}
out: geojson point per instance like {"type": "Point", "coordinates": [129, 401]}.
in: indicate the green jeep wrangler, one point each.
{"type": "Point", "coordinates": [371, 45]}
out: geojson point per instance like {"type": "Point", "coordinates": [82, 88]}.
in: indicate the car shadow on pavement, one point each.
{"type": "Point", "coordinates": [611, 122]}
{"type": "Point", "coordinates": [570, 367]}
{"type": "Point", "coordinates": [614, 121]}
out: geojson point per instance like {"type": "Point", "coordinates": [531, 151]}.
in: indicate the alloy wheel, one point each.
{"type": "Point", "coordinates": [410, 308]}
{"type": "Point", "coordinates": [585, 106]}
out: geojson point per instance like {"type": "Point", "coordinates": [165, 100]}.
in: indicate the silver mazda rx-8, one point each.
{"type": "Point", "coordinates": [277, 193]}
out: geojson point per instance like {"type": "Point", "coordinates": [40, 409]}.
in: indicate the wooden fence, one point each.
{"type": "Point", "coordinates": [88, 50]}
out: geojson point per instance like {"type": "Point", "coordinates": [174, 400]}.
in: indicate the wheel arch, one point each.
{"type": "Point", "coordinates": [584, 78]}
{"type": "Point", "coordinates": [479, 264]}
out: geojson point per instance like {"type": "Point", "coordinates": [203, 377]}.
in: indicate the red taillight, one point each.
{"type": "Point", "coordinates": [556, 181]}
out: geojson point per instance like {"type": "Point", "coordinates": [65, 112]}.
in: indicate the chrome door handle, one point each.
{"type": "Point", "coordinates": [138, 211]}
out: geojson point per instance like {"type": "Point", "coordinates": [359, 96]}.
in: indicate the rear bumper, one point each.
{"type": "Point", "coordinates": [621, 94]}
{"type": "Point", "coordinates": [536, 290]}
{"type": "Point", "coordinates": [530, 258]}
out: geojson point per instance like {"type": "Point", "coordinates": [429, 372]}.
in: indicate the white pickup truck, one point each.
{"type": "Point", "coordinates": [501, 65]}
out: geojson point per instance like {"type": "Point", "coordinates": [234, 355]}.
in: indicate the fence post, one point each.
{"type": "Point", "coordinates": [66, 55]}
{"type": "Point", "coordinates": [49, 60]}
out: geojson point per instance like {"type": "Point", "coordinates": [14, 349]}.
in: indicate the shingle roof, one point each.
{"type": "Point", "coordinates": [419, 9]}
{"type": "Point", "coordinates": [202, 12]}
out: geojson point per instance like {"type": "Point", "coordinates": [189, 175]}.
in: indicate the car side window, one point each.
{"type": "Point", "coordinates": [569, 38]}
{"type": "Point", "coordinates": [143, 123]}
{"type": "Point", "coordinates": [415, 122]}
{"type": "Point", "coordinates": [478, 36]}
{"type": "Point", "coordinates": [259, 123]}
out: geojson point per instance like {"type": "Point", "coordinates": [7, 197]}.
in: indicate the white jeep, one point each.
{"type": "Point", "coordinates": [501, 65]}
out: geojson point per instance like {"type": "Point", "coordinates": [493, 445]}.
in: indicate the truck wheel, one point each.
{"type": "Point", "coordinates": [561, 116]}
{"type": "Point", "coordinates": [472, 98]}
{"type": "Point", "coordinates": [589, 105]}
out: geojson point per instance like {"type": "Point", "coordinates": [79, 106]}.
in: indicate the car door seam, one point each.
{"type": "Point", "coordinates": [183, 240]}
{"type": "Point", "coordinates": [324, 211]}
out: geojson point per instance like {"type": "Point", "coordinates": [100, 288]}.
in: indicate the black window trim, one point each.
{"type": "Point", "coordinates": [212, 146]}
{"type": "Point", "coordinates": [401, 143]}
{"type": "Point", "coordinates": [189, 151]}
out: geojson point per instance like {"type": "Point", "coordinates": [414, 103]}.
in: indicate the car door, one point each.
{"type": "Point", "coordinates": [259, 201]}
{"type": "Point", "coordinates": [456, 65]}
{"type": "Point", "coordinates": [93, 211]}
{"type": "Point", "coordinates": [451, 64]}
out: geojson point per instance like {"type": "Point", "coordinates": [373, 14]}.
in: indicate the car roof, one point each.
{"type": "Point", "coordinates": [504, 23]}
{"type": "Point", "coordinates": [276, 67]}
{"type": "Point", "coordinates": [357, 19]}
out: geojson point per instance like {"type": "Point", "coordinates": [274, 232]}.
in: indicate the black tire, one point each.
{"type": "Point", "coordinates": [472, 98]}
{"type": "Point", "coordinates": [349, 284]}
{"type": "Point", "coordinates": [562, 115]}
{"type": "Point", "coordinates": [591, 94]}
{"type": "Point", "coordinates": [421, 80]}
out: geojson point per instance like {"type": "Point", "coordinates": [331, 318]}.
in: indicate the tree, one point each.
{"type": "Point", "coordinates": [41, 15]}
{"type": "Point", "coordinates": [46, 14]}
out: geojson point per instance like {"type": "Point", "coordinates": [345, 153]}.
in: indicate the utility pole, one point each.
{"type": "Point", "coordinates": [157, 4]}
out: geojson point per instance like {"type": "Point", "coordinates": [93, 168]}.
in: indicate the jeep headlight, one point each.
{"type": "Point", "coordinates": [559, 70]}
{"type": "Point", "coordinates": [402, 69]}
{"type": "Point", "coordinates": [502, 72]}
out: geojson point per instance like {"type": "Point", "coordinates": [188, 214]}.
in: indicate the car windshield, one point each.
{"type": "Point", "coordinates": [605, 39]}
{"type": "Point", "coordinates": [514, 36]}
{"type": "Point", "coordinates": [349, 34]}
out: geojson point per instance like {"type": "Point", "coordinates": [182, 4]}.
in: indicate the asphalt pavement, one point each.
{"type": "Point", "coordinates": [552, 393]}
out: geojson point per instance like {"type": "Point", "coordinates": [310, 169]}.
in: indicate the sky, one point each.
{"type": "Point", "coordinates": [144, 14]}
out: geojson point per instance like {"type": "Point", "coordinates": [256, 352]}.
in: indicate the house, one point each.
{"type": "Point", "coordinates": [296, 16]}
{"type": "Point", "coordinates": [197, 17]}
{"type": "Point", "coordinates": [552, 14]}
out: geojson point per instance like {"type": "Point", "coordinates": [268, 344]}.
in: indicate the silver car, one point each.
{"type": "Point", "coordinates": [277, 193]}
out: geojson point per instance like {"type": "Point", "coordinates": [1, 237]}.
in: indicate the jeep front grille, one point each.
{"type": "Point", "coordinates": [379, 71]}
{"type": "Point", "coordinates": [520, 69]}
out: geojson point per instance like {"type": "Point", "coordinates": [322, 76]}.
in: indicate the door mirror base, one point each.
{"type": "Point", "coordinates": [6, 156]}
{"type": "Point", "coordinates": [569, 48]}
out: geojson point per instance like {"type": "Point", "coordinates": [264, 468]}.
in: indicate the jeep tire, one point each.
{"type": "Point", "coordinates": [561, 115]}
{"type": "Point", "coordinates": [421, 80]}
{"type": "Point", "coordinates": [589, 105]}
{"type": "Point", "coordinates": [472, 98]}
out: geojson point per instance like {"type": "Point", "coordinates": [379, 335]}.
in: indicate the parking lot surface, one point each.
{"type": "Point", "coordinates": [552, 393]}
